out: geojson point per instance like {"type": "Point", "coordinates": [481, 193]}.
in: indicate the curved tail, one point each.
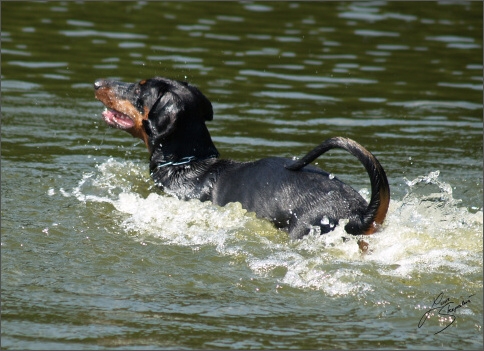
{"type": "Point", "coordinates": [377, 209]}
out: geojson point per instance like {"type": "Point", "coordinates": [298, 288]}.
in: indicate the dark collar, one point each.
{"type": "Point", "coordinates": [180, 162]}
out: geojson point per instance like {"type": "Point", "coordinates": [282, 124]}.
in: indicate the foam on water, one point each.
{"type": "Point", "coordinates": [425, 232]}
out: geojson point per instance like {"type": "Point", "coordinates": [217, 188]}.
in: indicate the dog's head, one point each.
{"type": "Point", "coordinates": [160, 111]}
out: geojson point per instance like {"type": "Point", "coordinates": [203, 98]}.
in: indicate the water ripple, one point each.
{"type": "Point", "coordinates": [429, 104]}
{"type": "Point", "coordinates": [305, 78]}
{"type": "Point", "coordinates": [96, 33]}
{"type": "Point", "coordinates": [295, 95]}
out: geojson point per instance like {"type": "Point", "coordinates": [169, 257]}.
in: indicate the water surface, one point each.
{"type": "Point", "coordinates": [93, 256]}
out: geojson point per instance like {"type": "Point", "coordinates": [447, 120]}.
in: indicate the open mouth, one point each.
{"type": "Point", "coordinates": [117, 119]}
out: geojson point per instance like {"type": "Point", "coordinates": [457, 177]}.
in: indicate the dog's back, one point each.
{"type": "Point", "coordinates": [170, 117]}
{"type": "Point", "coordinates": [291, 200]}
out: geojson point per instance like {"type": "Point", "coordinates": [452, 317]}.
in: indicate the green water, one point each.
{"type": "Point", "coordinates": [93, 256]}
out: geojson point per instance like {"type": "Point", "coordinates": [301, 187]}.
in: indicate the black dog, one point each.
{"type": "Point", "coordinates": [169, 116]}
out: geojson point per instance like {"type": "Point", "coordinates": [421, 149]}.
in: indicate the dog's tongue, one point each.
{"type": "Point", "coordinates": [117, 119]}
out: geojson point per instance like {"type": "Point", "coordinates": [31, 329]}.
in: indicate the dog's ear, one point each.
{"type": "Point", "coordinates": [206, 109]}
{"type": "Point", "coordinates": [203, 104]}
{"type": "Point", "coordinates": [162, 116]}
{"type": "Point", "coordinates": [148, 127]}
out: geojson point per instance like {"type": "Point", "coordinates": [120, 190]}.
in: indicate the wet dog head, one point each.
{"type": "Point", "coordinates": [168, 115]}
{"type": "Point", "coordinates": [155, 110]}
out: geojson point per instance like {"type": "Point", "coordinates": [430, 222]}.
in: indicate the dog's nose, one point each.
{"type": "Point", "coordinates": [99, 83]}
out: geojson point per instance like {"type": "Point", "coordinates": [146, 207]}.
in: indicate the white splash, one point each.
{"type": "Point", "coordinates": [426, 231]}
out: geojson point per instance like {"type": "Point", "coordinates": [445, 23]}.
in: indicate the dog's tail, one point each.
{"type": "Point", "coordinates": [377, 209]}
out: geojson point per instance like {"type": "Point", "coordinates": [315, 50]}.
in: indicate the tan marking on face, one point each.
{"type": "Point", "coordinates": [106, 96]}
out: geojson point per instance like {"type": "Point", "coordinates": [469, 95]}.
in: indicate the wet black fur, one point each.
{"type": "Point", "coordinates": [293, 195]}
